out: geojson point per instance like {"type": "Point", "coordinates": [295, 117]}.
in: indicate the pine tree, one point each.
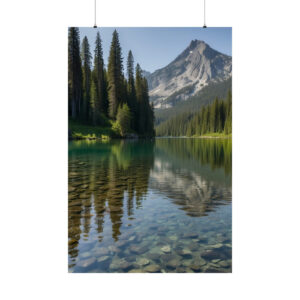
{"type": "Point", "coordinates": [204, 121]}
{"type": "Point", "coordinates": [74, 73]}
{"type": "Point", "coordinates": [228, 121]}
{"type": "Point", "coordinates": [151, 120]}
{"type": "Point", "coordinates": [131, 89]}
{"type": "Point", "coordinates": [140, 121]}
{"type": "Point", "coordinates": [86, 70]}
{"type": "Point", "coordinates": [124, 119]}
{"type": "Point", "coordinates": [94, 112]}
{"type": "Point", "coordinates": [114, 75]}
{"type": "Point", "coordinates": [99, 104]}
{"type": "Point", "coordinates": [105, 101]}
{"type": "Point", "coordinates": [213, 116]}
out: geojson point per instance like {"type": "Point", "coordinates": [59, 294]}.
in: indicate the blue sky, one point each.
{"type": "Point", "coordinates": [155, 47]}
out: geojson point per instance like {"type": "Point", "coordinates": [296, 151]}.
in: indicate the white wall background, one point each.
{"type": "Point", "coordinates": [33, 160]}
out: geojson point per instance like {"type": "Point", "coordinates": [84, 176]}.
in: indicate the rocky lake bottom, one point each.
{"type": "Point", "coordinates": [160, 206]}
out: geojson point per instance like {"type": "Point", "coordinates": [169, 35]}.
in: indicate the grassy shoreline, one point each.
{"type": "Point", "coordinates": [206, 136]}
{"type": "Point", "coordinates": [214, 135]}
{"type": "Point", "coordinates": [78, 131]}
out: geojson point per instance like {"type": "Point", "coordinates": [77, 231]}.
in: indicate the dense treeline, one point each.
{"type": "Point", "coordinates": [204, 97]}
{"type": "Point", "coordinates": [213, 118]}
{"type": "Point", "coordinates": [100, 96]}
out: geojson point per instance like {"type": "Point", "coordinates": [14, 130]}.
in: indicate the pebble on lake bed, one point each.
{"type": "Point", "coordinates": [166, 249]}
{"type": "Point", "coordinates": [136, 271]}
{"type": "Point", "coordinates": [86, 263]}
{"type": "Point", "coordinates": [103, 259]}
{"type": "Point", "coordinates": [152, 268]}
{"type": "Point", "coordinates": [142, 261]}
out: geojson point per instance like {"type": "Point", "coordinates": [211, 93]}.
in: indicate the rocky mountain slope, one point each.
{"type": "Point", "coordinates": [197, 66]}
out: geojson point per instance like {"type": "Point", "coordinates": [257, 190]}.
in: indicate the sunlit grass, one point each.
{"type": "Point", "coordinates": [81, 131]}
{"type": "Point", "coordinates": [215, 135]}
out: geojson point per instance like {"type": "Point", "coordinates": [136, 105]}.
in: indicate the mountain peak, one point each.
{"type": "Point", "coordinates": [195, 46]}
{"type": "Point", "coordinates": [194, 68]}
{"type": "Point", "coordinates": [195, 43]}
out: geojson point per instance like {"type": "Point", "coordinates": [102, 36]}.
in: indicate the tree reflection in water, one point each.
{"type": "Point", "coordinates": [113, 179]}
{"type": "Point", "coordinates": [102, 173]}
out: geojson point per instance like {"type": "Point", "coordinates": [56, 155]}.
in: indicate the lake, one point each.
{"type": "Point", "coordinates": [161, 205]}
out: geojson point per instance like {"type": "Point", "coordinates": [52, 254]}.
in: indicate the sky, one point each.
{"type": "Point", "coordinates": [155, 47]}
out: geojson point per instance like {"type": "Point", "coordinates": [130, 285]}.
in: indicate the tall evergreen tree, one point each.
{"type": "Point", "coordinates": [213, 116]}
{"type": "Point", "coordinates": [131, 89]}
{"type": "Point", "coordinates": [148, 112]}
{"type": "Point", "coordinates": [94, 109]}
{"type": "Point", "coordinates": [105, 84]}
{"type": "Point", "coordinates": [99, 79]}
{"type": "Point", "coordinates": [124, 119]}
{"type": "Point", "coordinates": [86, 70]}
{"type": "Point", "coordinates": [145, 114]}
{"type": "Point", "coordinates": [140, 100]}
{"type": "Point", "coordinates": [74, 73]}
{"type": "Point", "coordinates": [228, 121]}
{"type": "Point", "coordinates": [115, 75]}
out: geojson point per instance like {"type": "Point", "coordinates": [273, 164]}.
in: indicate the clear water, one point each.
{"type": "Point", "coordinates": [150, 206]}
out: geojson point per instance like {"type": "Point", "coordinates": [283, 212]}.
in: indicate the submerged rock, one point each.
{"type": "Point", "coordinates": [197, 264]}
{"type": "Point", "coordinates": [217, 246]}
{"type": "Point", "coordinates": [131, 258]}
{"type": "Point", "coordinates": [154, 256]}
{"type": "Point", "coordinates": [138, 249]}
{"type": "Point", "coordinates": [166, 249]}
{"type": "Point", "coordinates": [152, 268]}
{"type": "Point", "coordinates": [113, 249]}
{"type": "Point", "coordinates": [87, 262]}
{"type": "Point", "coordinates": [125, 265]}
{"type": "Point", "coordinates": [103, 259]}
{"type": "Point", "coordinates": [225, 263]}
{"type": "Point", "coordinates": [185, 253]}
{"type": "Point", "coordinates": [136, 271]}
{"type": "Point", "coordinates": [132, 238]}
{"type": "Point", "coordinates": [195, 267]}
{"type": "Point", "coordinates": [210, 254]}
{"type": "Point", "coordinates": [173, 263]}
{"type": "Point", "coordinates": [193, 246]}
{"type": "Point", "coordinates": [142, 261]}
{"type": "Point", "coordinates": [187, 262]}
{"type": "Point", "coordinates": [173, 237]}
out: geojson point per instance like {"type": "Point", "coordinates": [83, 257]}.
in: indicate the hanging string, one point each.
{"type": "Point", "coordinates": [204, 12]}
{"type": "Point", "coordinates": [95, 1]}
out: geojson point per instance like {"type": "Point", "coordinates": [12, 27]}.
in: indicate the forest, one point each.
{"type": "Point", "coordinates": [193, 104]}
{"type": "Point", "coordinates": [100, 97]}
{"type": "Point", "coordinates": [212, 119]}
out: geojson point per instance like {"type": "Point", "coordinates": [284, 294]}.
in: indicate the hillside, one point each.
{"type": "Point", "coordinates": [194, 103]}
